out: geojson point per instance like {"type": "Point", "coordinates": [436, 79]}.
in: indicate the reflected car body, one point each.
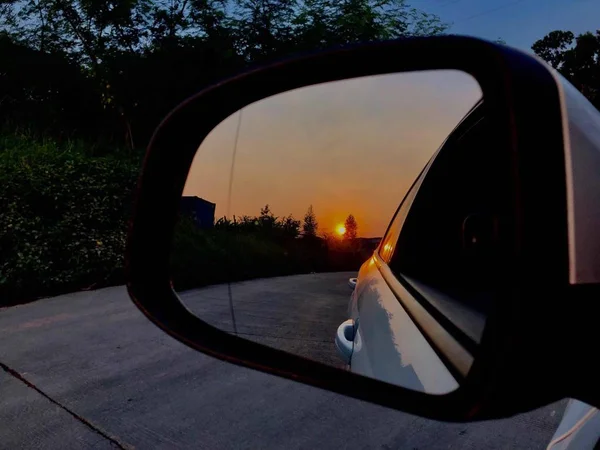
{"type": "Point", "coordinates": [387, 344]}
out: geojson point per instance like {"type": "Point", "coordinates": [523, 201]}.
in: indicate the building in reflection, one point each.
{"type": "Point", "coordinates": [201, 211]}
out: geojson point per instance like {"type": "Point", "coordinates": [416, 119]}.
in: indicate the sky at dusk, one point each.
{"type": "Point", "coordinates": [519, 22]}
{"type": "Point", "coordinates": [356, 146]}
{"type": "Point", "coordinates": [349, 147]}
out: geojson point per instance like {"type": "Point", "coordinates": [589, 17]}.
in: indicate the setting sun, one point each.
{"type": "Point", "coordinates": [341, 229]}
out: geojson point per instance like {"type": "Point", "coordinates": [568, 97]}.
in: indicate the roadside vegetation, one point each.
{"type": "Point", "coordinates": [261, 246]}
{"type": "Point", "coordinates": [64, 216]}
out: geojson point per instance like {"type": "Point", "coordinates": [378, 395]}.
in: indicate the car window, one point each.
{"type": "Point", "coordinates": [451, 234]}
{"type": "Point", "coordinates": [388, 243]}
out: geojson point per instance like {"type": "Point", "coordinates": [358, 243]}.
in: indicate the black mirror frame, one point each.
{"type": "Point", "coordinates": [521, 96]}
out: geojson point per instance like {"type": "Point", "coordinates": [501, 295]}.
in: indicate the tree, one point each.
{"type": "Point", "coordinates": [266, 216]}
{"type": "Point", "coordinates": [45, 92]}
{"type": "Point", "coordinates": [351, 228]}
{"type": "Point", "coordinates": [290, 227]}
{"type": "Point", "coordinates": [310, 224]}
{"type": "Point", "coordinates": [272, 28]}
{"type": "Point", "coordinates": [553, 47]}
{"type": "Point", "coordinates": [89, 33]}
{"type": "Point", "coordinates": [576, 58]}
{"type": "Point", "coordinates": [143, 57]}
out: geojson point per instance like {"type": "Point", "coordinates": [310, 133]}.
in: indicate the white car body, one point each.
{"type": "Point", "coordinates": [387, 344]}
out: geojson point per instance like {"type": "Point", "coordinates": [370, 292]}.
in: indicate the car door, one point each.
{"type": "Point", "coordinates": [389, 344]}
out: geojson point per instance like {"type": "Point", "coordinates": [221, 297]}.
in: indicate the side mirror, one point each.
{"type": "Point", "coordinates": [477, 301]}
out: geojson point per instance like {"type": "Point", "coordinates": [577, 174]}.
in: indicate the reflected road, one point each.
{"type": "Point", "coordinates": [297, 314]}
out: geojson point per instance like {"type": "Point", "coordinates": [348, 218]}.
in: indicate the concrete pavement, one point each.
{"type": "Point", "coordinates": [130, 385]}
{"type": "Point", "coordinates": [297, 314]}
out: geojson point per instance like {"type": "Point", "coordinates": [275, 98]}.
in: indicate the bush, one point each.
{"type": "Point", "coordinates": [202, 257]}
{"type": "Point", "coordinates": [64, 217]}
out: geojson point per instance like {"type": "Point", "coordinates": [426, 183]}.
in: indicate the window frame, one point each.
{"type": "Point", "coordinates": [412, 191]}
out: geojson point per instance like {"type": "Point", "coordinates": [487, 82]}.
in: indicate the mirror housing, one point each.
{"type": "Point", "coordinates": [515, 367]}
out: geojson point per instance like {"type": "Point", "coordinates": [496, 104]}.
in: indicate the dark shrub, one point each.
{"type": "Point", "coordinates": [64, 217]}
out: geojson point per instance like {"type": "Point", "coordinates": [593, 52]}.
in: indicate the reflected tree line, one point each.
{"type": "Point", "coordinates": [265, 245]}
{"type": "Point", "coordinates": [286, 227]}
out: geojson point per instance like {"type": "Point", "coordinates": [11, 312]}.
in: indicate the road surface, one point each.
{"type": "Point", "coordinates": [87, 370]}
{"type": "Point", "coordinates": [298, 314]}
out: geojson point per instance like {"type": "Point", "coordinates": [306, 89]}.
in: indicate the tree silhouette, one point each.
{"type": "Point", "coordinates": [290, 227]}
{"type": "Point", "coordinates": [310, 224]}
{"type": "Point", "coordinates": [266, 211]}
{"type": "Point", "coordinates": [267, 219]}
{"type": "Point", "coordinates": [576, 58]}
{"type": "Point", "coordinates": [125, 49]}
{"type": "Point", "coordinates": [351, 228]}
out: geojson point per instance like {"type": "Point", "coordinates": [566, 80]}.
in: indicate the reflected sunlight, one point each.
{"type": "Point", "coordinates": [351, 146]}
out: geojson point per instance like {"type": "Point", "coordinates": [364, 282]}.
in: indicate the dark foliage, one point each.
{"type": "Point", "coordinates": [245, 249]}
{"type": "Point", "coordinates": [64, 217]}
{"type": "Point", "coordinates": [111, 70]}
{"type": "Point", "coordinates": [576, 58]}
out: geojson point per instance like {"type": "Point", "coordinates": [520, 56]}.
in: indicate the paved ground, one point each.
{"type": "Point", "coordinates": [94, 355]}
{"type": "Point", "coordinates": [297, 314]}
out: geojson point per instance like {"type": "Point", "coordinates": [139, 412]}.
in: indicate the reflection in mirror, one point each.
{"type": "Point", "coordinates": [288, 198]}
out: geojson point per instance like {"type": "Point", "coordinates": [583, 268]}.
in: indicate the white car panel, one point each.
{"type": "Point", "coordinates": [388, 346]}
{"type": "Point", "coordinates": [582, 161]}
{"type": "Point", "coordinates": [579, 428]}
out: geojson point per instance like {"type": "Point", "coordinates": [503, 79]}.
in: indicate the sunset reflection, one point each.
{"type": "Point", "coordinates": [347, 147]}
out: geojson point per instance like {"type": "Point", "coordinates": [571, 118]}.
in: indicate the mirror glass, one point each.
{"type": "Point", "coordinates": [292, 220]}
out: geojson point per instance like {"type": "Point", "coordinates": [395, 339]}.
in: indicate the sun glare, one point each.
{"type": "Point", "coordinates": [341, 229]}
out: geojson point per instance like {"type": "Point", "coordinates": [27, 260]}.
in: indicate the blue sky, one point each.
{"type": "Point", "coordinates": [519, 22]}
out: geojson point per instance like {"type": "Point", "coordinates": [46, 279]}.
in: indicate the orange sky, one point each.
{"type": "Point", "coordinates": [347, 147]}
